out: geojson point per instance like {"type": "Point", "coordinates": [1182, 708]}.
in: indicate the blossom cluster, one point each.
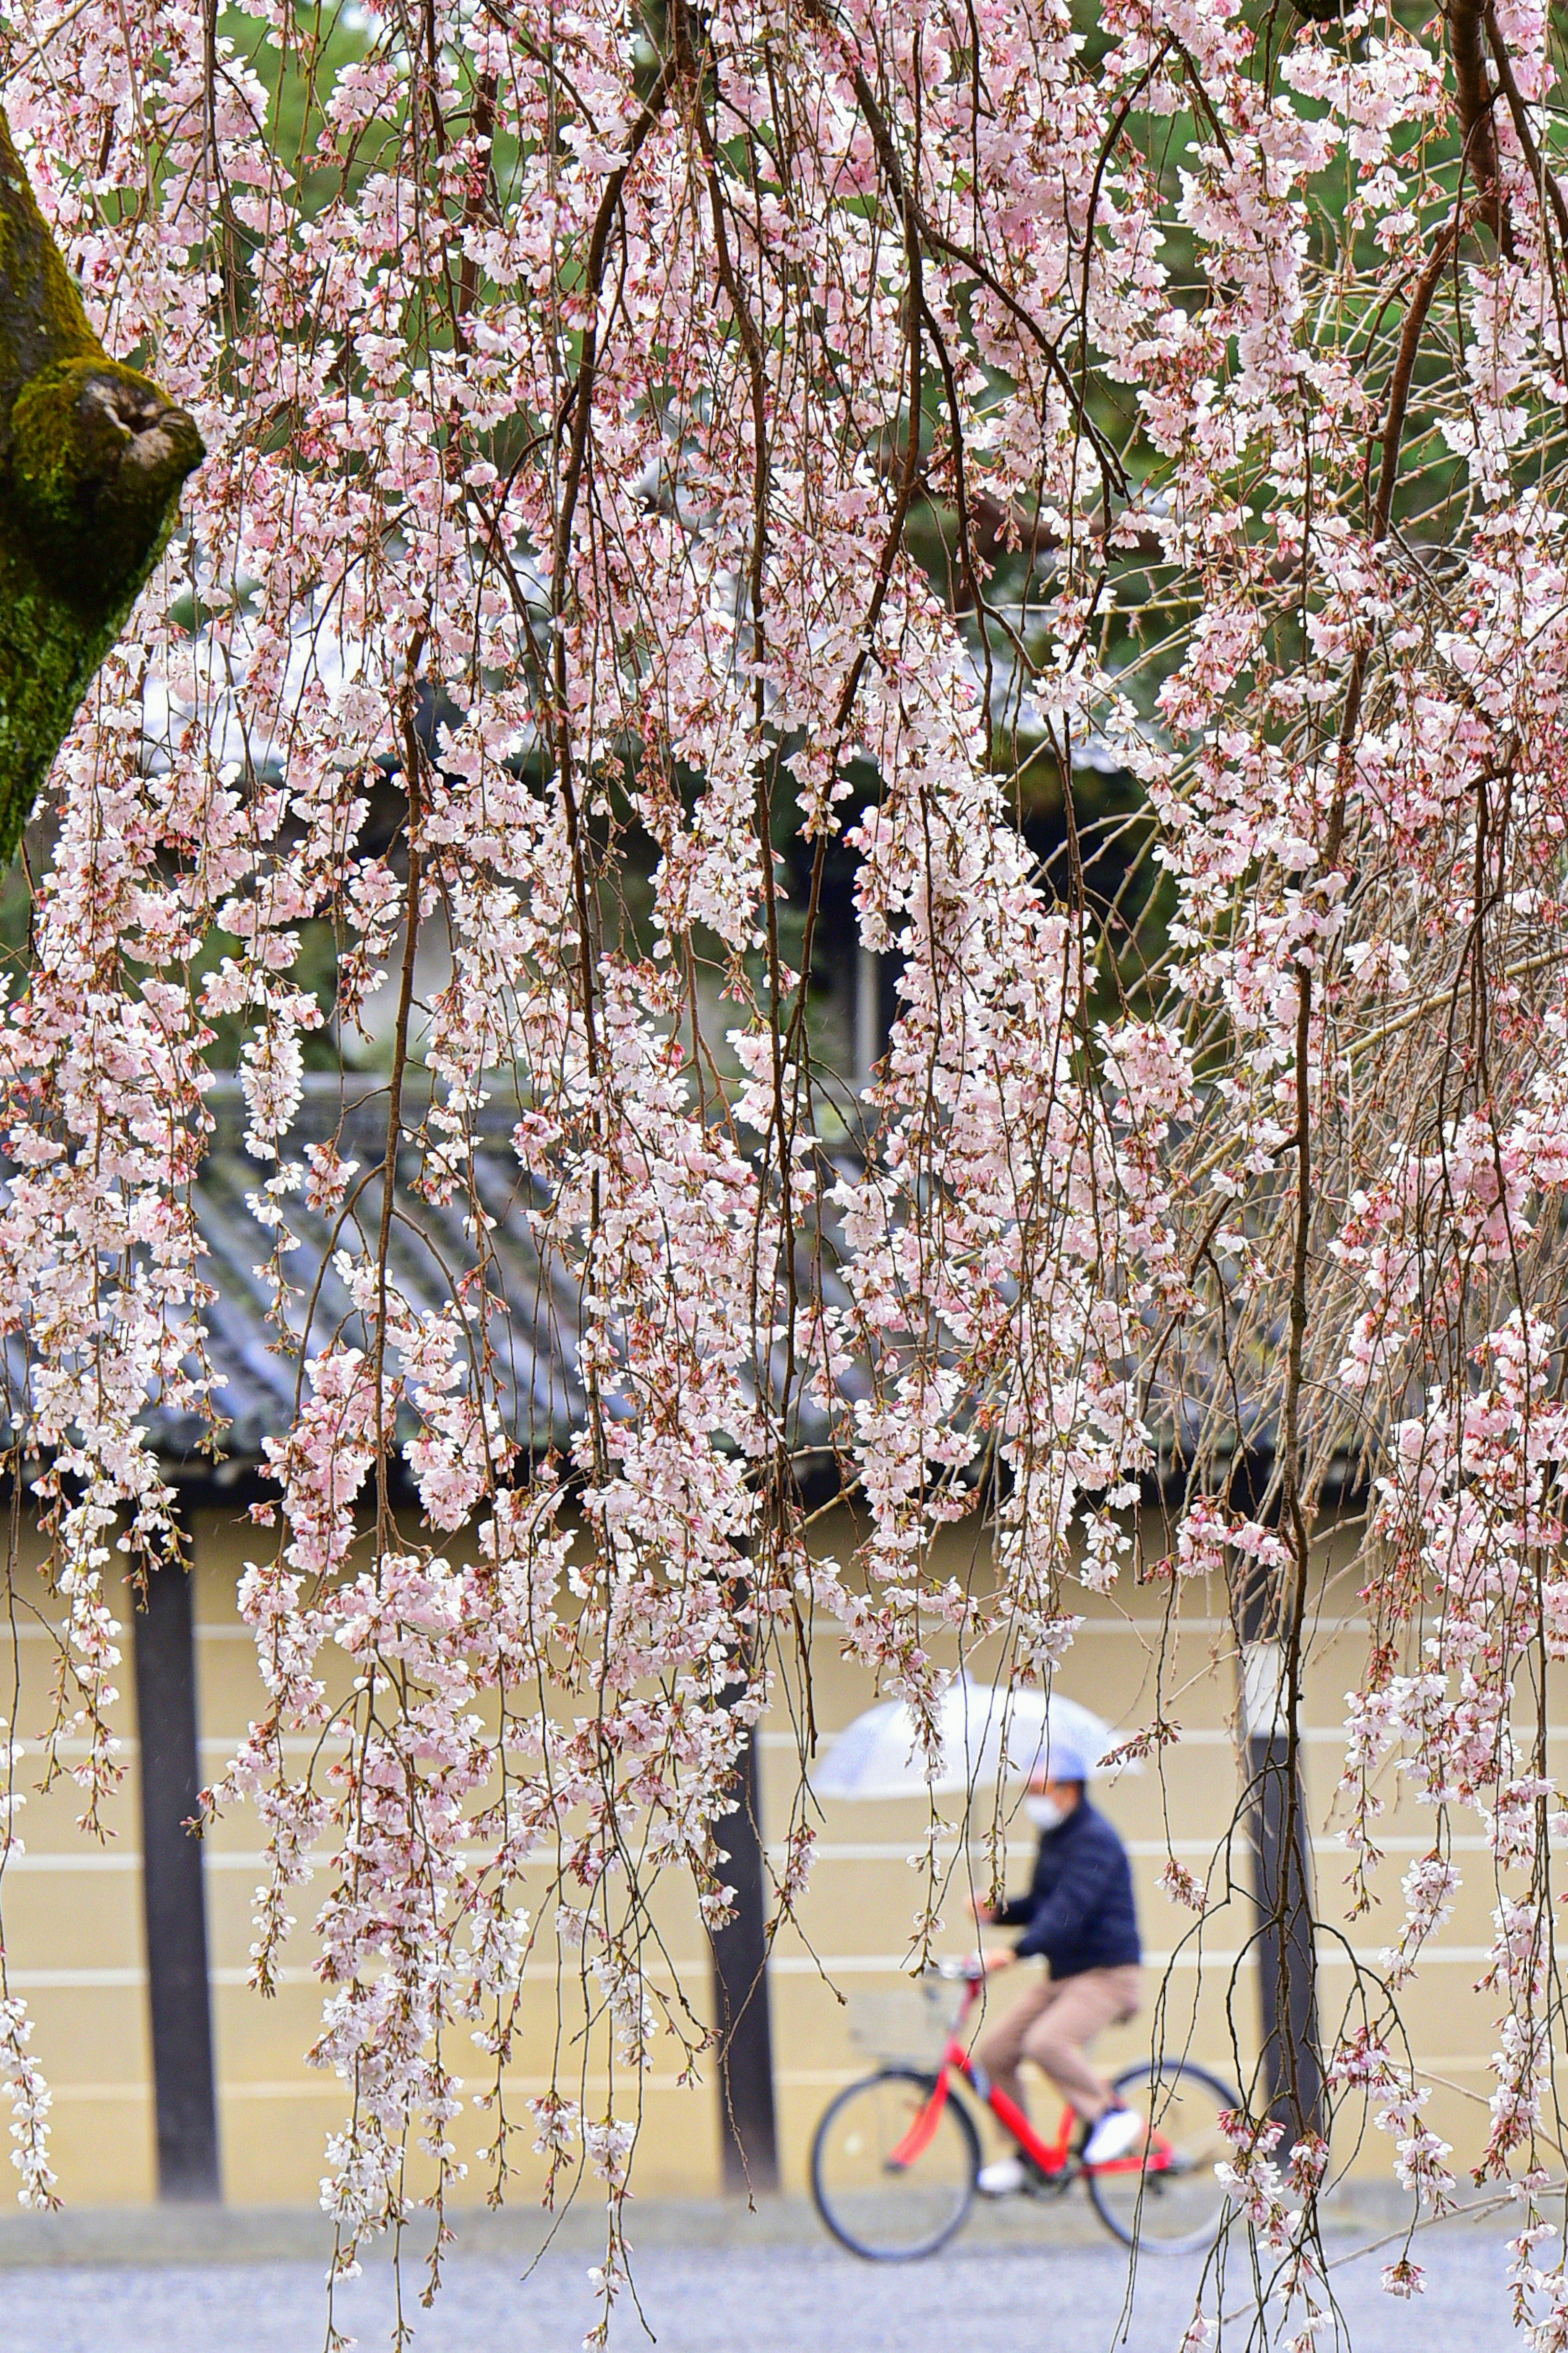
{"type": "Point", "coordinates": [569, 380]}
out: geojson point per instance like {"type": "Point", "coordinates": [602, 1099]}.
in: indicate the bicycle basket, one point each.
{"type": "Point", "coordinates": [908, 2022]}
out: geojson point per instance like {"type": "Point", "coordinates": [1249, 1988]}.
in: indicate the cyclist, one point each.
{"type": "Point", "coordinates": [1079, 1916]}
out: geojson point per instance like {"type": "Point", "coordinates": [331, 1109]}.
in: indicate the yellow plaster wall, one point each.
{"type": "Point", "coordinates": [73, 1922]}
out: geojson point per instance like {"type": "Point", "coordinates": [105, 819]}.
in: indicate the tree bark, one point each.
{"type": "Point", "coordinates": [92, 456]}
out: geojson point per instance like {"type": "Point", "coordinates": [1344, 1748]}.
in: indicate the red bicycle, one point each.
{"type": "Point", "coordinates": [896, 2158]}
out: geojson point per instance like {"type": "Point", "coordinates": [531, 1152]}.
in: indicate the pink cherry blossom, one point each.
{"type": "Point", "coordinates": [570, 403]}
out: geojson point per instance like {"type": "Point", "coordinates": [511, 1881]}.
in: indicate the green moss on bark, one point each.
{"type": "Point", "coordinates": [92, 456]}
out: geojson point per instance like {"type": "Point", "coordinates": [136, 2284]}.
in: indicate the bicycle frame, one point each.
{"type": "Point", "coordinates": [1054, 2158]}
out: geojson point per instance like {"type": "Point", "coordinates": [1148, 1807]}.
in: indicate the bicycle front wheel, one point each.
{"type": "Point", "coordinates": [892, 2177]}
{"type": "Point", "coordinates": [1165, 2196]}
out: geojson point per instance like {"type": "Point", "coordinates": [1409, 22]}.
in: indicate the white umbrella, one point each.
{"type": "Point", "coordinates": [987, 1735]}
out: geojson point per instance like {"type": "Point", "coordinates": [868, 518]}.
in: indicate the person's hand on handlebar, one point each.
{"type": "Point", "coordinates": [999, 1956]}
{"type": "Point", "coordinates": [986, 1963]}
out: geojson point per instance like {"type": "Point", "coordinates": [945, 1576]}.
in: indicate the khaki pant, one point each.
{"type": "Point", "coordinates": [1054, 2025]}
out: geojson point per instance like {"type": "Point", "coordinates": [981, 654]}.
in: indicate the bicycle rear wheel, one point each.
{"type": "Point", "coordinates": [890, 2180]}
{"type": "Point", "coordinates": [1165, 2195]}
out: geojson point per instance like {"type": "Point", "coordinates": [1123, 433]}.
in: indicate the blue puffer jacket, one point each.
{"type": "Point", "coordinates": [1079, 1911]}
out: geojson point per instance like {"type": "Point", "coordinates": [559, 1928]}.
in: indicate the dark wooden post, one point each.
{"type": "Point", "coordinates": [1281, 1847]}
{"type": "Point", "coordinates": [172, 1891]}
{"type": "Point", "coordinates": [748, 2127]}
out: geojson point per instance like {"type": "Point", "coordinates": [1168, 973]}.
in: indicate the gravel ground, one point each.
{"type": "Point", "coordinates": [778, 2299]}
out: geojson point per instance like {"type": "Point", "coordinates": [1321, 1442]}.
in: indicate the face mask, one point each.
{"type": "Point", "coordinates": [1044, 1813]}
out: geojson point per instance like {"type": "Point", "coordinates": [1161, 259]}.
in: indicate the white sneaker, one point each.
{"type": "Point", "coordinates": [1113, 2135]}
{"type": "Point", "coordinates": [1003, 2178]}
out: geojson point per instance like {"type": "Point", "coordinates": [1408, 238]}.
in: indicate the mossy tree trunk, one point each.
{"type": "Point", "coordinates": [92, 456]}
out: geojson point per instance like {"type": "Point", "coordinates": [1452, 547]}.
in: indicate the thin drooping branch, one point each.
{"type": "Point", "coordinates": [1509, 83]}
{"type": "Point", "coordinates": [92, 456]}
{"type": "Point", "coordinates": [1398, 403]}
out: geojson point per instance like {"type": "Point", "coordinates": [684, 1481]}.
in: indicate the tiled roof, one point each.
{"type": "Point", "coordinates": [533, 1336]}
{"type": "Point", "coordinates": [532, 1339]}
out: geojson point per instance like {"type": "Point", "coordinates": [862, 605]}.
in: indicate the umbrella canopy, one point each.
{"type": "Point", "coordinates": [987, 1735]}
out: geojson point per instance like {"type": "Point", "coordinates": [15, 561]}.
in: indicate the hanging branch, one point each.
{"type": "Point", "coordinates": [1468, 48]}
{"type": "Point", "coordinates": [92, 456]}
